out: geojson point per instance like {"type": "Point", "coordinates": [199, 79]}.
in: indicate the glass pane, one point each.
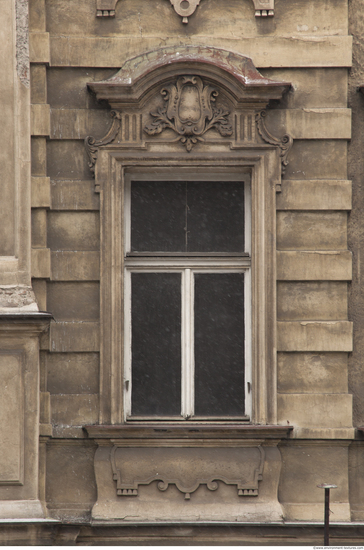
{"type": "Point", "coordinates": [158, 216]}
{"type": "Point", "coordinates": [219, 344]}
{"type": "Point", "coordinates": [215, 219]}
{"type": "Point", "coordinates": [156, 343]}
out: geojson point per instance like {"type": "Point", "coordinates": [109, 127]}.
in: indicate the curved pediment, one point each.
{"type": "Point", "coordinates": [232, 72]}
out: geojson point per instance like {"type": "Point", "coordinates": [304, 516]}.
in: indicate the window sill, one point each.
{"type": "Point", "coordinates": [171, 431]}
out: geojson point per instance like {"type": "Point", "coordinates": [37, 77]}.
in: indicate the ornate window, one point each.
{"type": "Point", "coordinates": [188, 175]}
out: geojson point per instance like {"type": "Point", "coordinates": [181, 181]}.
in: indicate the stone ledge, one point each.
{"type": "Point", "coordinates": [323, 433]}
{"type": "Point", "coordinates": [191, 431]}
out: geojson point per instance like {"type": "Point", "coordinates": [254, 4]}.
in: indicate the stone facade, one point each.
{"type": "Point", "coordinates": [89, 92]}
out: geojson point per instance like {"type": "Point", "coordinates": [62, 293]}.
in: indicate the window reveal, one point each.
{"type": "Point", "coordinates": [187, 277]}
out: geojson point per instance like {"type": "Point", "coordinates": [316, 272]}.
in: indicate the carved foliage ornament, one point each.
{"type": "Point", "coordinates": [92, 145]}
{"type": "Point", "coordinates": [190, 112]}
{"type": "Point", "coordinates": [285, 143]}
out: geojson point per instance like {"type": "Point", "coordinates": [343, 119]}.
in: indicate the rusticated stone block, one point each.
{"type": "Point", "coordinates": [312, 301]}
{"type": "Point", "coordinates": [41, 192]}
{"type": "Point", "coordinates": [314, 336]}
{"type": "Point", "coordinates": [74, 337]}
{"type": "Point", "coordinates": [312, 372]}
{"type": "Point", "coordinates": [70, 301]}
{"type": "Point", "coordinates": [316, 410]}
{"type": "Point", "coordinates": [314, 265]}
{"type": "Point", "coordinates": [75, 409]}
{"type": "Point", "coordinates": [39, 49]}
{"type": "Point", "coordinates": [73, 231]}
{"type": "Point", "coordinates": [311, 231]}
{"type": "Point", "coordinates": [74, 195]}
{"type": "Point", "coordinates": [315, 195]}
{"type": "Point", "coordinates": [75, 266]}
{"type": "Point", "coordinates": [70, 373]}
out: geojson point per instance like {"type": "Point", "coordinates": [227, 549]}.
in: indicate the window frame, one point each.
{"type": "Point", "coordinates": [187, 265]}
{"type": "Point", "coordinates": [114, 164]}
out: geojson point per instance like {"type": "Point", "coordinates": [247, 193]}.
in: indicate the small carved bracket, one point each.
{"type": "Point", "coordinates": [264, 8]}
{"type": "Point", "coordinates": [189, 112]}
{"type": "Point", "coordinates": [285, 143]}
{"type": "Point", "coordinates": [185, 8]}
{"type": "Point", "coordinates": [106, 8]}
{"type": "Point", "coordinates": [127, 485]}
{"type": "Point", "coordinates": [92, 145]}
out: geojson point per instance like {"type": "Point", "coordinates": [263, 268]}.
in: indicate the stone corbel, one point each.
{"type": "Point", "coordinates": [285, 143]}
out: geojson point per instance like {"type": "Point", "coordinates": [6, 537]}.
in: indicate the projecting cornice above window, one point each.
{"type": "Point", "coordinates": [185, 8]}
{"type": "Point", "coordinates": [188, 94]}
{"type": "Point", "coordinates": [140, 75]}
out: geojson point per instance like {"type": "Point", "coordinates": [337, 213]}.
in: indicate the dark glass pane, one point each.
{"type": "Point", "coordinates": [219, 344]}
{"type": "Point", "coordinates": [215, 219]}
{"type": "Point", "coordinates": [158, 216]}
{"type": "Point", "coordinates": [156, 343]}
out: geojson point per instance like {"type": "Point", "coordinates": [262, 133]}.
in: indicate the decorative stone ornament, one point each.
{"type": "Point", "coordinates": [285, 143]}
{"type": "Point", "coordinates": [212, 97]}
{"type": "Point", "coordinates": [242, 468]}
{"type": "Point", "coordinates": [189, 112]}
{"type": "Point", "coordinates": [185, 8]}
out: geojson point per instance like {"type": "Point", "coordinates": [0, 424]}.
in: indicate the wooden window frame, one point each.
{"type": "Point", "coordinates": [187, 265]}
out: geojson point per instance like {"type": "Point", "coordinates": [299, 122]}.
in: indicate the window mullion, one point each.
{"type": "Point", "coordinates": [187, 343]}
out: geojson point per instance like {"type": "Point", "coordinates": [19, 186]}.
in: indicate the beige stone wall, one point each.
{"type": "Point", "coordinates": [355, 240]}
{"type": "Point", "coordinates": [306, 43]}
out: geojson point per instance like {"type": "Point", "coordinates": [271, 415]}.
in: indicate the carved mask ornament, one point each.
{"type": "Point", "coordinates": [190, 111]}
